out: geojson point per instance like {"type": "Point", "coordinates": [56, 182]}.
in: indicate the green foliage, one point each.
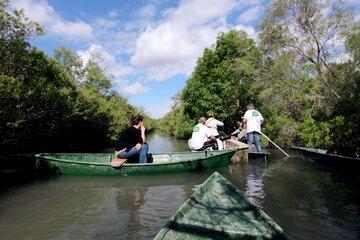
{"type": "Point", "coordinates": [353, 42]}
{"type": "Point", "coordinates": [308, 29]}
{"type": "Point", "coordinates": [15, 26]}
{"type": "Point", "coordinates": [282, 129]}
{"type": "Point", "coordinates": [176, 123]}
{"type": "Point", "coordinates": [39, 106]}
{"type": "Point", "coordinates": [302, 91]}
{"type": "Point", "coordinates": [53, 104]}
{"type": "Point", "coordinates": [96, 78]}
{"type": "Point", "coordinates": [315, 134]}
{"type": "Point", "coordinates": [222, 81]}
{"type": "Point", "coordinates": [71, 63]}
{"type": "Point", "coordinates": [118, 109]}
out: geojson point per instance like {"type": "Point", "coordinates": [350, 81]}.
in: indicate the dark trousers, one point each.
{"type": "Point", "coordinates": [211, 143]}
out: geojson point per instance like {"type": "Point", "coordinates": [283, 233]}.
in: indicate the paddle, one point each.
{"type": "Point", "coordinates": [275, 144]}
{"type": "Point", "coordinates": [225, 137]}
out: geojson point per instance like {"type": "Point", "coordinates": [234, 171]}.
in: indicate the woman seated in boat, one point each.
{"type": "Point", "coordinates": [213, 124]}
{"type": "Point", "coordinates": [131, 143]}
{"type": "Point", "coordinates": [201, 138]}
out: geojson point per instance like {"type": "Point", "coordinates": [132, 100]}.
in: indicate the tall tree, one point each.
{"type": "Point", "coordinates": [15, 30]}
{"type": "Point", "coordinates": [305, 85]}
{"type": "Point", "coordinates": [96, 78]}
{"type": "Point", "coordinates": [311, 29]}
{"type": "Point", "coordinates": [222, 81]}
{"type": "Point", "coordinates": [71, 62]}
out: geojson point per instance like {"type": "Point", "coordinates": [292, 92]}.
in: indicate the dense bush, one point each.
{"type": "Point", "coordinates": [53, 104]}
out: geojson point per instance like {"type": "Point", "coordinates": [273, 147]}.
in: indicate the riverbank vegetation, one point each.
{"type": "Point", "coordinates": [302, 74]}
{"type": "Point", "coordinates": [54, 103]}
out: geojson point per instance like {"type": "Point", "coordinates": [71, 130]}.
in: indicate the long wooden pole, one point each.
{"type": "Point", "coordinates": [275, 144]}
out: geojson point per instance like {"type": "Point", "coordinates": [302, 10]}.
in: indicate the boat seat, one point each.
{"type": "Point", "coordinates": [117, 162]}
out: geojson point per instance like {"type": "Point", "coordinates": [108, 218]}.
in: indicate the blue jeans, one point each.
{"type": "Point", "coordinates": [254, 136]}
{"type": "Point", "coordinates": [142, 152]}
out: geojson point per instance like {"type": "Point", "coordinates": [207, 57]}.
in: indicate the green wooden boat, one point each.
{"type": "Point", "coordinates": [99, 163]}
{"type": "Point", "coordinates": [217, 210]}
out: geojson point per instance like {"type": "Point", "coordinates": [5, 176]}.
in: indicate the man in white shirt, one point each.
{"type": "Point", "coordinates": [253, 120]}
{"type": "Point", "coordinates": [201, 136]}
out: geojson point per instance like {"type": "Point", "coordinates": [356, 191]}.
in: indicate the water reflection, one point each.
{"type": "Point", "coordinates": [254, 187]}
{"type": "Point", "coordinates": [249, 177]}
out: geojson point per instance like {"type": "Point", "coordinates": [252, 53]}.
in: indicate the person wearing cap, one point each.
{"type": "Point", "coordinates": [253, 120]}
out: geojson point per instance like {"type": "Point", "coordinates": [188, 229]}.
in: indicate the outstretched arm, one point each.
{"type": "Point", "coordinates": [142, 129]}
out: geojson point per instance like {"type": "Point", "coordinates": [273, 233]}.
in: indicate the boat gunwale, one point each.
{"type": "Point", "coordinates": [309, 150]}
{"type": "Point", "coordinates": [40, 155]}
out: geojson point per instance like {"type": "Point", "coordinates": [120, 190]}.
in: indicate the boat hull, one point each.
{"type": "Point", "coordinates": [321, 155]}
{"type": "Point", "coordinates": [263, 154]}
{"type": "Point", "coordinates": [252, 153]}
{"type": "Point", "coordinates": [99, 164]}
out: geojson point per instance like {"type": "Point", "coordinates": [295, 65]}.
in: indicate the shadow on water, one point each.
{"type": "Point", "coordinates": [309, 200]}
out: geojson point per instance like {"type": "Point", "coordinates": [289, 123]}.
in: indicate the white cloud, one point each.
{"type": "Point", "coordinates": [147, 12]}
{"type": "Point", "coordinates": [41, 11]}
{"type": "Point", "coordinates": [118, 70]}
{"type": "Point", "coordinates": [134, 89]}
{"type": "Point", "coordinates": [162, 44]}
{"type": "Point", "coordinates": [104, 24]}
{"type": "Point", "coordinates": [171, 47]}
{"type": "Point", "coordinates": [199, 12]}
{"type": "Point", "coordinates": [71, 29]}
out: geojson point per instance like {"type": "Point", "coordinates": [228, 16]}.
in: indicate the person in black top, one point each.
{"type": "Point", "coordinates": [131, 142]}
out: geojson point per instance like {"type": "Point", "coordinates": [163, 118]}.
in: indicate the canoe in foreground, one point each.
{"type": "Point", "coordinates": [99, 163]}
{"type": "Point", "coordinates": [217, 210]}
{"type": "Point", "coordinates": [321, 154]}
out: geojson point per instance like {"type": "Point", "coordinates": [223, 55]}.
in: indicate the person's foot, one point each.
{"type": "Point", "coordinates": [117, 162]}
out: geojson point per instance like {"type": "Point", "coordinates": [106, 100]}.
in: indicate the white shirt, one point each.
{"type": "Point", "coordinates": [212, 123]}
{"type": "Point", "coordinates": [253, 120]}
{"type": "Point", "coordinates": [199, 136]}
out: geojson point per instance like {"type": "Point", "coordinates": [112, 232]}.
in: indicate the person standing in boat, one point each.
{"type": "Point", "coordinates": [253, 120]}
{"type": "Point", "coordinates": [212, 123]}
{"type": "Point", "coordinates": [131, 142]}
{"type": "Point", "coordinates": [201, 138]}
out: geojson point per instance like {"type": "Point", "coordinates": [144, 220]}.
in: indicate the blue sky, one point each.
{"type": "Point", "coordinates": [149, 48]}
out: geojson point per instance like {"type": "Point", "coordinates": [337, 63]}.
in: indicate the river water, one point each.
{"type": "Point", "coordinates": [309, 200]}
